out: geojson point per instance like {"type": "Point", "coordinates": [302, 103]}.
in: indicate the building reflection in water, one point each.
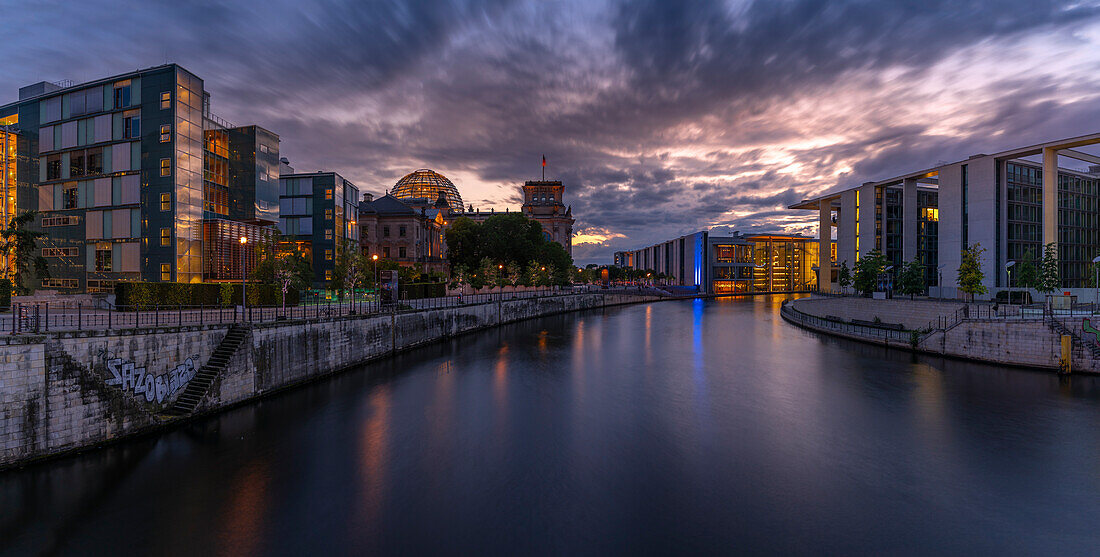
{"type": "Point", "coordinates": [373, 455]}
{"type": "Point", "coordinates": [243, 519]}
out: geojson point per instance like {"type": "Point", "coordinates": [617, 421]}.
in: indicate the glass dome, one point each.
{"type": "Point", "coordinates": [427, 184]}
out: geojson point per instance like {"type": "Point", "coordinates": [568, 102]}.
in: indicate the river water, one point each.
{"type": "Point", "coordinates": [697, 427]}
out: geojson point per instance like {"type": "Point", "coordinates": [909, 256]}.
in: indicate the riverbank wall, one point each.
{"type": "Point", "coordinates": [69, 391]}
{"type": "Point", "coordinates": [1004, 340]}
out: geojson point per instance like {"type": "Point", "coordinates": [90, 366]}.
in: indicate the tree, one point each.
{"type": "Point", "coordinates": [844, 276]}
{"type": "Point", "coordinates": [911, 281]}
{"type": "Point", "coordinates": [970, 275]}
{"type": "Point", "coordinates": [464, 244]}
{"type": "Point", "coordinates": [1027, 275]}
{"type": "Point", "coordinates": [1048, 279]}
{"type": "Point", "coordinates": [291, 270]}
{"type": "Point", "coordinates": [514, 273]}
{"type": "Point", "coordinates": [868, 270]}
{"type": "Point", "coordinates": [353, 270]}
{"type": "Point", "coordinates": [22, 243]}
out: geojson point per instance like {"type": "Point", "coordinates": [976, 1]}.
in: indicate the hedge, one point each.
{"type": "Point", "coordinates": [423, 290]}
{"type": "Point", "coordinates": [147, 295]}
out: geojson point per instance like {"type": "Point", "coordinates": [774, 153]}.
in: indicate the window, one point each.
{"type": "Point", "coordinates": [328, 193]}
{"type": "Point", "coordinates": [60, 221]}
{"type": "Point", "coordinates": [59, 283]}
{"type": "Point", "coordinates": [165, 237]}
{"type": "Point", "coordinates": [401, 231]}
{"type": "Point", "coordinates": [122, 96]}
{"type": "Point", "coordinates": [165, 167]}
{"type": "Point", "coordinates": [328, 274]}
{"type": "Point", "coordinates": [68, 196]}
{"type": "Point", "coordinates": [165, 133]}
{"type": "Point", "coordinates": [103, 257]}
{"type": "Point", "coordinates": [386, 252]}
{"type": "Point", "coordinates": [165, 202]}
{"type": "Point", "coordinates": [328, 214]}
{"type": "Point", "coordinates": [401, 252]}
{"type": "Point", "coordinates": [131, 127]}
{"type": "Point", "coordinates": [53, 167]}
{"type": "Point", "coordinates": [101, 286]}
{"type": "Point", "coordinates": [328, 255]}
{"type": "Point", "coordinates": [95, 161]}
{"type": "Point", "coordinates": [385, 232]}
{"type": "Point", "coordinates": [165, 272]}
{"type": "Point", "coordinates": [60, 252]}
{"type": "Point", "coordinates": [166, 100]}
{"type": "Point", "coordinates": [76, 164]}
{"type": "Point", "coordinates": [328, 233]}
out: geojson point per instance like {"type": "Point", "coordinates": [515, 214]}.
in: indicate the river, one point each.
{"type": "Point", "coordinates": [693, 427]}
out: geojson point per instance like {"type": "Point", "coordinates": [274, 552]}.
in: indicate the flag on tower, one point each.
{"type": "Point", "coordinates": [544, 168]}
{"type": "Point", "coordinates": [544, 160]}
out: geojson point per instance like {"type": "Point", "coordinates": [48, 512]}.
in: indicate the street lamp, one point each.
{"type": "Point", "coordinates": [244, 299]}
{"type": "Point", "coordinates": [1008, 271]}
{"type": "Point", "coordinates": [374, 258]}
{"type": "Point", "coordinates": [939, 283]}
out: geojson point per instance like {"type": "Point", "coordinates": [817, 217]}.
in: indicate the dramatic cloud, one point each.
{"type": "Point", "coordinates": [662, 117]}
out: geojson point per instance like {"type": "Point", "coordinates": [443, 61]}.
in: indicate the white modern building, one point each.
{"type": "Point", "coordinates": [1012, 203]}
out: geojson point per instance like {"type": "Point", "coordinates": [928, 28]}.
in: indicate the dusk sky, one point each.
{"type": "Point", "coordinates": [661, 117]}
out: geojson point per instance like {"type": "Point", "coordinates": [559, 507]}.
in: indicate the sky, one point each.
{"type": "Point", "coordinates": [661, 117]}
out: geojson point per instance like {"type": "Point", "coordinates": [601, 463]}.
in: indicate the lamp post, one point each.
{"type": "Point", "coordinates": [1008, 271]}
{"type": "Point", "coordinates": [374, 258]}
{"type": "Point", "coordinates": [939, 283]}
{"type": "Point", "coordinates": [244, 299]}
{"type": "Point", "coordinates": [889, 282]}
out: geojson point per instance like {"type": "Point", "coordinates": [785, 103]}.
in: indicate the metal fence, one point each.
{"type": "Point", "coordinates": [42, 317]}
{"type": "Point", "coordinates": [867, 331]}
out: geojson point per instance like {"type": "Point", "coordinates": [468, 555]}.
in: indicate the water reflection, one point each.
{"type": "Point", "coordinates": [677, 427]}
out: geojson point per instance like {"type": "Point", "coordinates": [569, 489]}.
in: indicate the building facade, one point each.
{"type": "Point", "coordinates": [318, 215]}
{"type": "Point", "coordinates": [731, 264]}
{"type": "Point", "coordinates": [408, 233]}
{"type": "Point", "coordinates": [1010, 203]}
{"type": "Point", "coordinates": [125, 171]}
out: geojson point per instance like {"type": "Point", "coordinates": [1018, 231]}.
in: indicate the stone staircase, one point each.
{"type": "Point", "coordinates": [1060, 328]}
{"type": "Point", "coordinates": [198, 386]}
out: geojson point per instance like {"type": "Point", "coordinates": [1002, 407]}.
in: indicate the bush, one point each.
{"type": "Point", "coordinates": [149, 295]}
{"type": "Point", "coordinates": [5, 293]}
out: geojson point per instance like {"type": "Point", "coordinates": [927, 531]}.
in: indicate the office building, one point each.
{"type": "Point", "coordinates": [731, 264]}
{"type": "Point", "coordinates": [317, 218]}
{"type": "Point", "coordinates": [408, 231]}
{"type": "Point", "coordinates": [1012, 203]}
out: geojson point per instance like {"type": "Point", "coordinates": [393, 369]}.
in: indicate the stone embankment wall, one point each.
{"type": "Point", "coordinates": [1027, 343]}
{"type": "Point", "coordinates": [73, 390]}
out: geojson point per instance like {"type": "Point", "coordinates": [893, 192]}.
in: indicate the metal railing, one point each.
{"type": "Point", "coordinates": [866, 331]}
{"type": "Point", "coordinates": [40, 317]}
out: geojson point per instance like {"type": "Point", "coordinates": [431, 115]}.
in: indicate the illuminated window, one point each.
{"type": "Point", "coordinates": [328, 255]}
{"type": "Point", "coordinates": [165, 202]}
{"type": "Point", "coordinates": [165, 167]}
{"type": "Point", "coordinates": [165, 272]}
{"type": "Point", "coordinates": [328, 214]}
{"type": "Point", "coordinates": [328, 274]}
{"type": "Point", "coordinates": [328, 234]}
{"type": "Point", "coordinates": [165, 133]}
{"type": "Point", "coordinates": [166, 100]}
{"type": "Point", "coordinates": [328, 194]}
{"type": "Point", "coordinates": [386, 252]}
{"type": "Point", "coordinates": [165, 237]}
{"type": "Point", "coordinates": [930, 214]}
{"type": "Point", "coordinates": [103, 257]}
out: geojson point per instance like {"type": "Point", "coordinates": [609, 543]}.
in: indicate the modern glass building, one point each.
{"type": "Point", "coordinates": [732, 264]}
{"type": "Point", "coordinates": [317, 217]}
{"type": "Point", "coordinates": [1010, 203]}
{"type": "Point", "coordinates": [124, 173]}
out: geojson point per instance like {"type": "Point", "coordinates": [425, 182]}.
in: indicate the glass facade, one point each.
{"type": "Point", "coordinates": [187, 172]}
{"type": "Point", "coordinates": [317, 214]}
{"type": "Point", "coordinates": [783, 263]}
{"type": "Point", "coordinates": [928, 227]}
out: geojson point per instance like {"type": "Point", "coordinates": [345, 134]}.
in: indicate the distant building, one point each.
{"type": "Point", "coordinates": [408, 231]}
{"type": "Point", "coordinates": [318, 215]}
{"type": "Point", "coordinates": [731, 264]}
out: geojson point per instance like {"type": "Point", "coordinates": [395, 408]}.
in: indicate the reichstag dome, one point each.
{"type": "Point", "coordinates": [428, 184]}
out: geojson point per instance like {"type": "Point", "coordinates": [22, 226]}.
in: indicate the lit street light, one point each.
{"type": "Point", "coordinates": [244, 299]}
{"type": "Point", "coordinates": [1008, 271]}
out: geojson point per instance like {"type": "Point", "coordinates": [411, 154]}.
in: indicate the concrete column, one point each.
{"type": "Point", "coordinates": [867, 213]}
{"type": "Point", "coordinates": [1050, 198]}
{"type": "Point", "coordinates": [824, 234]}
{"type": "Point", "coordinates": [909, 215]}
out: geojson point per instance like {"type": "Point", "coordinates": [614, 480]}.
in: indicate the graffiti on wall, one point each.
{"type": "Point", "coordinates": [127, 376]}
{"type": "Point", "coordinates": [1090, 330]}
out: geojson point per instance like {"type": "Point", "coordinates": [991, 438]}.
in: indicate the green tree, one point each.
{"type": "Point", "coordinates": [1048, 279]}
{"type": "Point", "coordinates": [225, 294]}
{"type": "Point", "coordinates": [464, 244]}
{"type": "Point", "coordinates": [22, 242]}
{"type": "Point", "coordinates": [511, 237]}
{"type": "Point", "coordinates": [868, 270]}
{"type": "Point", "coordinates": [513, 272]}
{"type": "Point", "coordinates": [292, 270]}
{"type": "Point", "coordinates": [1027, 274]}
{"type": "Point", "coordinates": [970, 274]}
{"type": "Point", "coordinates": [353, 270]}
{"type": "Point", "coordinates": [844, 276]}
{"type": "Point", "coordinates": [911, 281]}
